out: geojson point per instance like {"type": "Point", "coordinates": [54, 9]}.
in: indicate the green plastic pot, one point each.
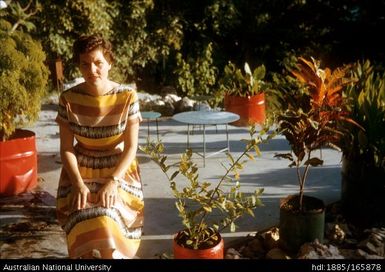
{"type": "Point", "coordinates": [299, 227]}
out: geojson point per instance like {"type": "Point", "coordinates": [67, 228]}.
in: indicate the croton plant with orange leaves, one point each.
{"type": "Point", "coordinates": [311, 120]}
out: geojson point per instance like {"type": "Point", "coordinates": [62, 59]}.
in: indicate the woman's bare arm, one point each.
{"type": "Point", "coordinates": [107, 194]}
{"type": "Point", "coordinates": [67, 153]}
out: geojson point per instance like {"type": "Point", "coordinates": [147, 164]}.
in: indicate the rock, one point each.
{"type": "Point", "coordinates": [256, 245]}
{"type": "Point", "coordinates": [145, 97]}
{"type": "Point", "coordinates": [185, 104]}
{"type": "Point", "coordinates": [379, 232]}
{"type": "Point", "coordinates": [231, 253]}
{"type": "Point", "coordinates": [374, 244]}
{"type": "Point", "coordinates": [277, 254]}
{"type": "Point", "coordinates": [247, 252]}
{"type": "Point", "coordinates": [316, 250]}
{"type": "Point", "coordinates": [72, 83]}
{"type": "Point", "coordinates": [149, 105]}
{"type": "Point", "coordinates": [366, 255]}
{"type": "Point", "coordinates": [362, 253]}
{"type": "Point", "coordinates": [252, 235]}
{"type": "Point", "coordinates": [254, 249]}
{"type": "Point", "coordinates": [201, 106]}
{"type": "Point", "coordinates": [351, 242]}
{"type": "Point", "coordinates": [381, 236]}
{"type": "Point", "coordinates": [172, 98]}
{"type": "Point", "coordinates": [271, 238]}
{"type": "Point", "coordinates": [52, 99]}
{"type": "Point", "coordinates": [167, 110]}
{"type": "Point", "coordinates": [375, 240]}
{"type": "Point", "coordinates": [367, 246]}
{"type": "Point", "coordinates": [336, 233]}
{"type": "Point", "coordinates": [167, 90]}
{"type": "Point", "coordinates": [348, 253]}
{"type": "Point", "coordinates": [96, 254]}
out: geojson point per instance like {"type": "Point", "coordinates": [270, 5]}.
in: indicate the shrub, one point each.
{"type": "Point", "coordinates": [23, 77]}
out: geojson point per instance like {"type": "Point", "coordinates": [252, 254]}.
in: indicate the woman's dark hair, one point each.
{"type": "Point", "coordinates": [89, 43]}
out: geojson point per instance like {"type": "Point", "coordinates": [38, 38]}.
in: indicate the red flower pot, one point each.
{"type": "Point", "coordinates": [251, 109]}
{"type": "Point", "coordinates": [18, 163]}
{"type": "Point", "coordinates": [215, 252]}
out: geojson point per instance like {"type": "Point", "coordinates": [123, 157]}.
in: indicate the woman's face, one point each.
{"type": "Point", "coordinates": [94, 67]}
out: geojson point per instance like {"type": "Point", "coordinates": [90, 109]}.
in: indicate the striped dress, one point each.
{"type": "Point", "coordinates": [98, 123]}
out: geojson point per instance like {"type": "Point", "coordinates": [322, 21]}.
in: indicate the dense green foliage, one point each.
{"type": "Point", "coordinates": [196, 76]}
{"type": "Point", "coordinates": [61, 22]}
{"type": "Point", "coordinates": [367, 97]}
{"type": "Point", "coordinates": [157, 40]}
{"type": "Point", "coordinates": [23, 77]}
{"type": "Point", "coordinates": [238, 83]}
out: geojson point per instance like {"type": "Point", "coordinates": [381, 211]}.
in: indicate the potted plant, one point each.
{"type": "Point", "coordinates": [309, 123]}
{"type": "Point", "coordinates": [363, 165]}
{"type": "Point", "coordinates": [206, 208]}
{"type": "Point", "coordinates": [23, 78]}
{"type": "Point", "coordinates": [244, 93]}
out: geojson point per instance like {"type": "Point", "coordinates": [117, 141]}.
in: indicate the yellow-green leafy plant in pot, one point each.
{"type": "Point", "coordinates": [207, 208]}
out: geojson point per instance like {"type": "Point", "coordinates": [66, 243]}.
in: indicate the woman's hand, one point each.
{"type": "Point", "coordinates": [80, 195]}
{"type": "Point", "coordinates": [107, 194]}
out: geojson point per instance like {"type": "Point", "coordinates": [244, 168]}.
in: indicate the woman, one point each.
{"type": "Point", "coordinates": [100, 199]}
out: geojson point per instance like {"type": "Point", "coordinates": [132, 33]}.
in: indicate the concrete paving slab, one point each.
{"type": "Point", "coordinates": [161, 219]}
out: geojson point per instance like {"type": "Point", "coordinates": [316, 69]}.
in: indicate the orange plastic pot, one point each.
{"type": "Point", "coordinates": [215, 252]}
{"type": "Point", "coordinates": [18, 163]}
{"type": "Point", "coordinates": [251, 109]}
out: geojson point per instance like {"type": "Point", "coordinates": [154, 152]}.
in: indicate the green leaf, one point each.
{"type": "Point", "coordinates": [232, 227]}
{"type": "Point", "coordinates": [313, 123]}
{"type": "Point", "coordinates": [163, 159]}
{"type": "Point", "coordinates": [314, 162]}
{"type": "Point", "coordinates": [174, 175]}
{"type": "Point", "coordinates": [250, 157]}
{"type": "Point", "coordinates": [259, 191]}
{"type": "Point", "coordinates": [287, 156]}
{"type": "Point", "coordinates": [230, 157]}
{"type": "Point", "coordinates": [250, 212]}
{"type": "Point", "coordinates": [207, 209]}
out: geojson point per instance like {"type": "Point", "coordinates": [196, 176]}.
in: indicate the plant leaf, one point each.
{"type": "Point", "coordinates": [174, 175]}
{"type": "Point", "coordinates": [314, 162]}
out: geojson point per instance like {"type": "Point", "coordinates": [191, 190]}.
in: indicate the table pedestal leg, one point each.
{"type": "Point", "coordinates": [204, 145]}
{"type": "Point", "coordinates": [148, 130]}
{"type": "Point", "coordinates": [227, 139]}
{"type": "Point", "coordinates": [157, 129]}
{"type": "Point", "coordinates": [188, 135]}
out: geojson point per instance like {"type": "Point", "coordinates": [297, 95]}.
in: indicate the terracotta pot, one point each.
{"type": "Point", "coordinates": [251, 110]}
{"type": "Point", "coordinates": [18, 163]}
{"type": "Point", "coordinates": [215, 252]}
{"type": "Point", "coordinates": [297, 228]}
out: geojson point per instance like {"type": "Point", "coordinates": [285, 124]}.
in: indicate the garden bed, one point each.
{"type": "Point", "coordinates": [342, 241]}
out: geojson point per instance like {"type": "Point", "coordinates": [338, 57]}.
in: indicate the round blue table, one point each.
{"type": "Point", "coordinates": [206, 118]}
{"type": "Point", "coordinates": [151, 115]}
